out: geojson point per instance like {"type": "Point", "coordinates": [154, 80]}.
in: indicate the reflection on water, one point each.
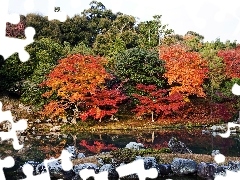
{"type": "Point", "coordinates": [39, 147]}
{"type": "Point", "coordinates": [194, 139]}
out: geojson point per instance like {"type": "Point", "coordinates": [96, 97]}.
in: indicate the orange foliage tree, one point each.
{"type": "Point", "coordinates": [77, 87]}
{"type": "Point", "coordinates": [185, 70]}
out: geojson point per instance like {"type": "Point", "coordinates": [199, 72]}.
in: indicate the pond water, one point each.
{"type": "Point", "coordinates": [194, 139]}
{"type": "Point", "coordinates": [39, 147]}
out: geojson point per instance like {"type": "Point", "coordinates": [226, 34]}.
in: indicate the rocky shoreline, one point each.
{"type": "Point", "coordinates": [176, 161]}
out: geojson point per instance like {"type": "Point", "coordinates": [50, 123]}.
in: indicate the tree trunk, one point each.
{"type": "Point", "coordinates": [152, 117]}
{"type": "Point", "coordinates": [153, 136]}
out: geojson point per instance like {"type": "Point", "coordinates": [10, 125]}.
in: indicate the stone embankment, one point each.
{"type": "Point", "coordinates": [180, 165]}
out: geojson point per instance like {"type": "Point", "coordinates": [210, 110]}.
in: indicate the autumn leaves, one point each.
{"type": "Point", "coordinates": [77, 86]}
{"type": "Point", "coordinates": [77, 83]}
{"type": "Point", "coordinates": [185, 71]}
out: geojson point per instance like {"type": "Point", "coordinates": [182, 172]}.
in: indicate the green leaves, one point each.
{"type": "Point", "coordinates": [139, 66]}
{"type": "Point", "coordinates": [45, 54]}
{"type": "Point", "coordinates": [150, 32]}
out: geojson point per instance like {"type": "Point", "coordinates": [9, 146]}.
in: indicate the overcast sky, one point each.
{"type": "Point", "coordinates": [210, 18]}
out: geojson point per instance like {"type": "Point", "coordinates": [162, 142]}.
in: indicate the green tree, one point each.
{"type": "Point", "coordinates": [216, 66]}
{"type": "Point", "coordinates": [119, 37]}
{"type": "Point", "coordinates": [151, 32]}
{"type": "Point", "coordinates": [13, 72]}
{"type": "Point", "coordinates": [75, 30]}
{"type": "Point", "coordinates": [99, 20]}
{"type": "Point", "coordinates": [138, 66]}
{"type": "Point", "coordinates": [193, 41]}
{"type": "Point", "coordinates": [45, 54]}
{"type": "Point", "coordinates": [44, 27]}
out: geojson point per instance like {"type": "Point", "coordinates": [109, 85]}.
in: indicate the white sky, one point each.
{"type": "Point", "coordinates": [210, 18]}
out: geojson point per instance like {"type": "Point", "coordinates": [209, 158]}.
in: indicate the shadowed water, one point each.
{"type": "Point", "coordinates": [38, 147]}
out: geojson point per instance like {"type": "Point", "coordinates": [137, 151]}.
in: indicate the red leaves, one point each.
{"type": "Point", "coordinates": [232, 60]}
{"type": "Point", "coordinates": [104, 102]}
{"type": "Point", "coordinates": [186, 71]}
{"type": "Point", "coordinates": [157, 100]}
{"type": "Point", "coordinates": [16, 30]}
{"type": "Point", "coordinates": [97, 146]}
{"type": "Point", "coordinates": [79, 80]}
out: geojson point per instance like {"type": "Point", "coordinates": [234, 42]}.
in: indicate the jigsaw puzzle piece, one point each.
{"type": "Point", "coordinates": [28, 171]}
{"type": "Point", "coordinates": [8, 162]}
{"type": "Point", "coordinates": [18, 126]}
{"type": "Point", "coordinates": [12, 45]}
{"type": "Point", "coordinates": [66, 164]}
{"type": "Point", "coordinates": [9, 46]}
{"type": "Point", "coordinates": [228, 132]}
{"type": "Point", "coordinates": [137, 167]}
{"type": "Point", "coordinates": [87, 173]}
{"type": "Point", "coordinates": [61, 16]}
{"type": "Point", "coordinates": [5, 17]}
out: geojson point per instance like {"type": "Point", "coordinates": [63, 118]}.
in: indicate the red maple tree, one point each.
{"type": "Point", "coordinates": [231, 58]}
{"type": "Point", "coordinates": [157, 101]}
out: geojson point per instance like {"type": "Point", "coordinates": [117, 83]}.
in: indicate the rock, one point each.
{"type": "Point", "coordinates": [80, 156]}
{"type": "Point", "coordinates": [218, 128]}
{"type": "Point", "coordinates": [215, 152]}
{"type": "Point", "coordinates": [76, 177]}
{"type": "Point", "coordinates": [112, 173]}
{"type": "Point", "coordinates": [55, 169]}
{"type": "Point", "coordinates": [34, 165]}
{"type": "Point", "coordinates": [55, 129]}
{"type": "Point", "coordinates": [164, 170]}
{"type": "Point", "coordinates": [214, 134]}
{"type": "Point", "coordinates": [68, 174]}
{"type": "Point", "coordinates": [206, 132]}
{"type": "Point", "coordinates": [73, 151]}
{"type": "Point", "coordinates": [177, 146]}
{"type": "Point", "coordinates": [134, 145]}
{"type": "Point", "coordinates": [182, 166]}
{"type": "Point", "coordinates": [233, 166]}
{"type": "Point", "coordinates": [149, 162]}
{"type": "Point", "coordinates": [221, 170]}
{"type": "Point", "coordinates": [79, 167]}
{"type": "Point", "coordinates": [206, 170]}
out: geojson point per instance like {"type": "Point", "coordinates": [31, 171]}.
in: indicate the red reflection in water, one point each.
{"type": "Point", "coordinates": [97, 146]}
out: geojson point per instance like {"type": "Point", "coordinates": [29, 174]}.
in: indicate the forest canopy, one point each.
{"type": "Point", "coordinates": [98, 64]}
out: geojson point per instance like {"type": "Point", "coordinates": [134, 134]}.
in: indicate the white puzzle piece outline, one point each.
{"type": "Point", "coordinates": [7, 162]}
{"type": "Point", "coordinates": [9, 45]}
{"type": "Point", "coordinates": [7, 49]}
{"type": "Point", "coordinates": [66, 166]}
{"type": "Point", "coordinates": [21, 125]}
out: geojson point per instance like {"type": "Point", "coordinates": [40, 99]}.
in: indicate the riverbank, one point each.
{"type": "Point", "coordinates": [166, 158]}
{"type": "Point", "coordinates": [167, 163]}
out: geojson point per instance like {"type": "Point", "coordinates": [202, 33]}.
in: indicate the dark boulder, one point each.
{"type": "Point", "coordinates": [206, 170]}
{"type": "Point", "coordinates": [177, 146]}
{"type": "Point", "coordinates": [182, 166]}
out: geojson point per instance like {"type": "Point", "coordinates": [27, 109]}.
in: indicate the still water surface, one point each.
{"type": "Point", "coordinates": [194, 139]}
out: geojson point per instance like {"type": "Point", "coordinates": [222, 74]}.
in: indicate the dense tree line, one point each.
{"type": "Point", "coordinates": [99, 62]}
